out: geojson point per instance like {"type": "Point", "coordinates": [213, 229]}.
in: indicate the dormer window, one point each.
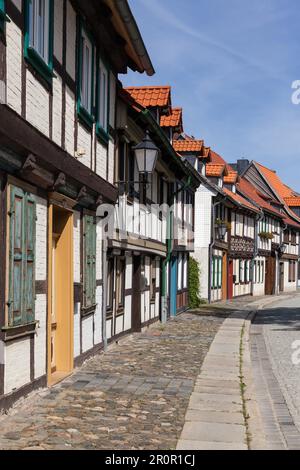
{"type": "Point", "coordinates": [39, 36]}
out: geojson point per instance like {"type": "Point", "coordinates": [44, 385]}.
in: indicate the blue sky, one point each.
{"type": "Point", "coordinates": [231, 65]}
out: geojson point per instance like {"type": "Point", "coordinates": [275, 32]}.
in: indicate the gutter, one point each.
{"type": "Point", "coordinates": [135, 35]}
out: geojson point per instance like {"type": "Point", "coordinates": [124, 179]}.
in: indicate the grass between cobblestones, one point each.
{"type": "Point", "coordinates": [243, 388]}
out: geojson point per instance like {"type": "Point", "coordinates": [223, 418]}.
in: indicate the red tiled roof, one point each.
{"type": "Point", "coordinates": [151, 96]}
{"type": "Point", "coordinates": [292, 201]}
{"type": "Point", "coordinates": [183, 146]}
{"type": "Point", "coordinates": [248, 190]}
{"type": "Point", "coordinates": [291, 222]}
{"type": "Point", "coordinates": [273, 179]}
{"type": "Point", "coordinates": [212, 169]}
{"type": "Point", "coordinates": [240, 200]}
{"type": "Point", "coordinates": [231, 178]}
{"type": "Point", "coordinates": [173, 120]}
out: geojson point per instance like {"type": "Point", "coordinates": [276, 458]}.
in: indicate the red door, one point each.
{"type": "Point", "coordinates": [230, 280]}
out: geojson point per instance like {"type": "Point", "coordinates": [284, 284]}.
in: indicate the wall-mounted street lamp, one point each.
{"type": "Point", "coordinates": [283, 249]}
{"type": "Point", "coordinates": [146, 154]}
{"type": "Point", "coordinates": [222, 231]}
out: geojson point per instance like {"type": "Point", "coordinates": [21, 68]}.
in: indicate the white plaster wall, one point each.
{"type": "Point", "coordinates": [76, 246]}
{"type": "Point", "coordinates": [128, 310]}
{"type": "Point", "coordinates": [101, 160]}
{"type": "Point", "coordinates": [85, 144]}
{"type": "Point", "coordinates": [41, 239]}
{"type": "Point", "coordinates": [37, 104]}
{"type": "Point", "coordinates": [87, 334]}
{"type": "Point", "coordinates": [40, 339]}
{"type": "Point", "coordinates": [14, 66]}
{"type": "Point", "coordinates": [98, 316]}
{"type": "Point", "coordinates": [57, 111]}
{"type": "Point", "coordinates": [17, 365]}
{"type": "Point", "coordinates": [77, 330]}
{"type": "Point", "coordinates": [203, 211]}
{"type": "Point", "coordinates": [288, 286]}
{"type": "Point", "coordinates": [70, 125]}
{"type": "Point", "coordinates": [202, 256]}
{"type": "Point", "coordinates": [111, 161]}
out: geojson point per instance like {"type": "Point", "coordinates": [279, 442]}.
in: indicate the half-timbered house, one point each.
{"type": "Point", "coordinates": [59, 66]}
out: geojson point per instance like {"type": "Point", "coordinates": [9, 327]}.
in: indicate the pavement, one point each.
{"type": "Point", "coordinates": [134, 396]}
{"type": "Point", "coordinates": [219, 378]}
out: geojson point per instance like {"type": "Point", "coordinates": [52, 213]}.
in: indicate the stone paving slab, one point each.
{"type": "Point", "coordinates": [205, 445]}
{"type": "Point", "coordinates": [217, 417]}
{"type": "Point", "coordinates": [217, 432]}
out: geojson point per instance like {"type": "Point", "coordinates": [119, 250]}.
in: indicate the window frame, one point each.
{"type": "Point", "coordinates": [32, 56]}
{"type": "Point", "coordinates": [120, 284]}
{"type": "Point", "coordinates": [102, 133]}
{"type": "Point", "coordinates": [153, 278]}
{"type": "Point", "coordinates": [85, 115]}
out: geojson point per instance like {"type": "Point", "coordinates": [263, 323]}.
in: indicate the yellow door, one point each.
{"type": "Point", "coordinates": [61, 303]}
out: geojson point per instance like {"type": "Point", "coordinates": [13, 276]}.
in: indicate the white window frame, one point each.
{"type": "Point", "coordinates": [39, 28]}
{"type": "Point", "coordinates": [86, 92]}
{"type": "Point", "coordinates": [103, 96]}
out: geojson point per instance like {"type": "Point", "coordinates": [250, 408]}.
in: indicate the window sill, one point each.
{"type": "Point", "coordinates": [43, 69]}
{"type": "Point", "coordinates": [16, 332]}
{"type": "Point", "coordinates": [87, 312]}
{"type": "Point", "coordinates": [4, 18]}
{"type": "Point", "coordinates": [102, 135]}
{"type": "Point", "coordinates": [85, 116]}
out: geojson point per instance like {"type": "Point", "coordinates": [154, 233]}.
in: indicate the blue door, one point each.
{"type": "Point", "coordinates": [173, 287]}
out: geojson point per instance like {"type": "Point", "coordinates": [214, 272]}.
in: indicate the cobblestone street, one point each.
{"type": "Point", "coordinates": [135, 396]}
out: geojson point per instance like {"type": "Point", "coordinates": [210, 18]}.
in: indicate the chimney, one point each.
{"type": "Point", "coordinates": [241, 165]}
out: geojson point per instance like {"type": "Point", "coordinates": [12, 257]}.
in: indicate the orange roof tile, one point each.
{"type": "Point", "coordinates": [212, 169]}
{"type": "Point", "coordinates": [173, 120]}
{"type": "Point", "coordinates": [250, 191]}
{"type": "Point", "coordinates": [240, 200]}
{"type": "Point", "coordinates": [151, 96]}
{"type": "Point", "coordinates": [231, 178]}
{"type": "Point", "coordinates": [273, 179]}
{"type": "Point", "coordinates": [183, 146]}
{"type": "Point", "coordinates": [292, 201]}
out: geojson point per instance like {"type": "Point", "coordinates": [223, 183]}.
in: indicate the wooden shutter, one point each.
{"type": "Point", "coordinates": [21, 300]}
{"type": "Point", "coordinates": [89, 261]}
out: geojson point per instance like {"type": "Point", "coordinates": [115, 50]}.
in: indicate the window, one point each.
{"type": "Point", "coordinates": [85, 77]}
{"type": "Point", "coordinates": [120, 284]}
{"type": "Point", "coordinates": [153, 281]}
{"type": "Point", "coordinates": [103, 101]}
{"type": "Point", "coordinates": [217, 272]}
{"type": "Point", "coordinates": [39, 36]}
{"type": "Point", "coordinates": [89, 256]}
{"type": "Point", "coordinates": [286, 237]}
{"type": "Point", "coordinates": [292, 271]}
{"type": "Point", "coordinates": [21, 301]}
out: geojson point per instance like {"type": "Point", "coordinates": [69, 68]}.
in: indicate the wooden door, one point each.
{"type": "Point", "coordinates": [61, 295]}
{"type": "Point", "coordinates": [270, 275]}
{"type": "Point", "coordinates": [281, 279]}
{"type": "Point", "coordinates": [230, 280]}
{"type": "Point", "coordinates": [224, 277]}
{"type": "Point", "coordinates": [136, 297]}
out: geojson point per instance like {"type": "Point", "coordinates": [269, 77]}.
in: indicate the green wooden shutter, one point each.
{"type": "Point", "coordinates": [21, 302]}
{"type": "Point", "coordinates": [89, 261]}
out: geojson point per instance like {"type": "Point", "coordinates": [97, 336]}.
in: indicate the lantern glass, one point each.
{"type": "Point", "coordinates": [146, 154]}
{"type": "Point", "coordinates": [222, 230]}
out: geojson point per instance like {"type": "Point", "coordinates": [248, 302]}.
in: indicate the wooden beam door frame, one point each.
{"type": "Point", "coordinates": [70, 320]}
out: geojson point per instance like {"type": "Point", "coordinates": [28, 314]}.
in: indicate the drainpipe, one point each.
{"type": "Point", "coordinates": [211, 247]}
{"type": "Point", "coordinates": [258, 218]}
{"type": "Point", "coordinates": [170, 234]}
